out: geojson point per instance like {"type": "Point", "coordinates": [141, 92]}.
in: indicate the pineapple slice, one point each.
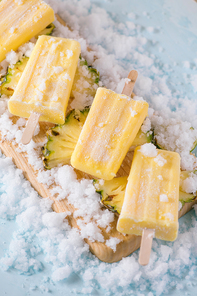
{"type": "Point", "coordinates": [142, 138]}
{"type": "Point", "coordinates": [186, 197]}
{"type": "Point", "coordinates": [47, 31]}
{"type": "Point", "coordinates": [11, 79]}
{"type": "Point", "coordinates": [63, 138]}
{"type": "Point", "coordinates": [112, 192]}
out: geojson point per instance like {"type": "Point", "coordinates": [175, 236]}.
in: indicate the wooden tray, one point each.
{"type": "Point", "coordinates": [128, 244]}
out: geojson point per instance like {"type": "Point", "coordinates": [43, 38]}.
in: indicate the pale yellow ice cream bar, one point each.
{"type": "Point", "coordinates": [110, 128]}
{"type": "Point", "coordinates": [152, 194]}
{"type": "Point", "coordinates": [46, 82]}
{"type": "Point", "coordinates": [20, 20]}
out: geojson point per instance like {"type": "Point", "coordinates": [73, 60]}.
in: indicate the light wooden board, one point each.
{"type": "Point", "coordinates": [128, 244]}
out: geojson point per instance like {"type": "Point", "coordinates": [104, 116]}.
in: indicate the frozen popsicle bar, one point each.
{"type": "Point", "coordinates": [108, 132]}
{"type": "Point", "coordinates": [20, 20]}
{"type": "Point", "coordinates": [46, 82]}
{"type": "Point", "coordinates": [152, 194]}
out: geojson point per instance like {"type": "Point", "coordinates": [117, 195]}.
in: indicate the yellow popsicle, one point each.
{"type": "Point", "coordinates": [111, 126]}
{"type": "Point", "coordinates": [152, 194]}
{"type": "Point", "coordinates": [46, 82]}
{"type": "Point", "coordinates": [20, 20]}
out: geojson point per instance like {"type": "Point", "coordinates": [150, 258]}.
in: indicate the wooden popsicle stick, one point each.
{"type": "Point", "coordinates": [146, 245]}
{"type": "Point", "coordinates": [30, 128]}
{"type": "Point", "coordinates": [128, 87]}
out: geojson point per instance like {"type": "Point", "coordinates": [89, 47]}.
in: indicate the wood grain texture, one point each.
{"type": "Point", "coordinates": [128, 243]}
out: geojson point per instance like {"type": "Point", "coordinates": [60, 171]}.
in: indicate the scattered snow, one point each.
{"type": "Point", "coordinates": [42, 85]}
{"type": "Point", "coordinates": [163, 198]}
{"type": "Point", "coordinates": [66, 76]}
{"type": "Point", "coordinates": [58, 69]}
{"type": "Point", "coordinates": [133, 112]}
{"type": "Point", "coordinates": [24, 50]}
{"type": "Point", "coordinates": [160, 160]}
{"type": "Point", "coordinates": [112, 243]}
{"type": "Point", "coordinates": [69, 53]}
{"type": "Point", "coordinates": [146, 126]}
{"type": "Point", "coordinates": [12, 58]}
{"type": "Point", "coordinates": [61, 273]}
{"type": "Point", "coordinates": [148, 150]}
